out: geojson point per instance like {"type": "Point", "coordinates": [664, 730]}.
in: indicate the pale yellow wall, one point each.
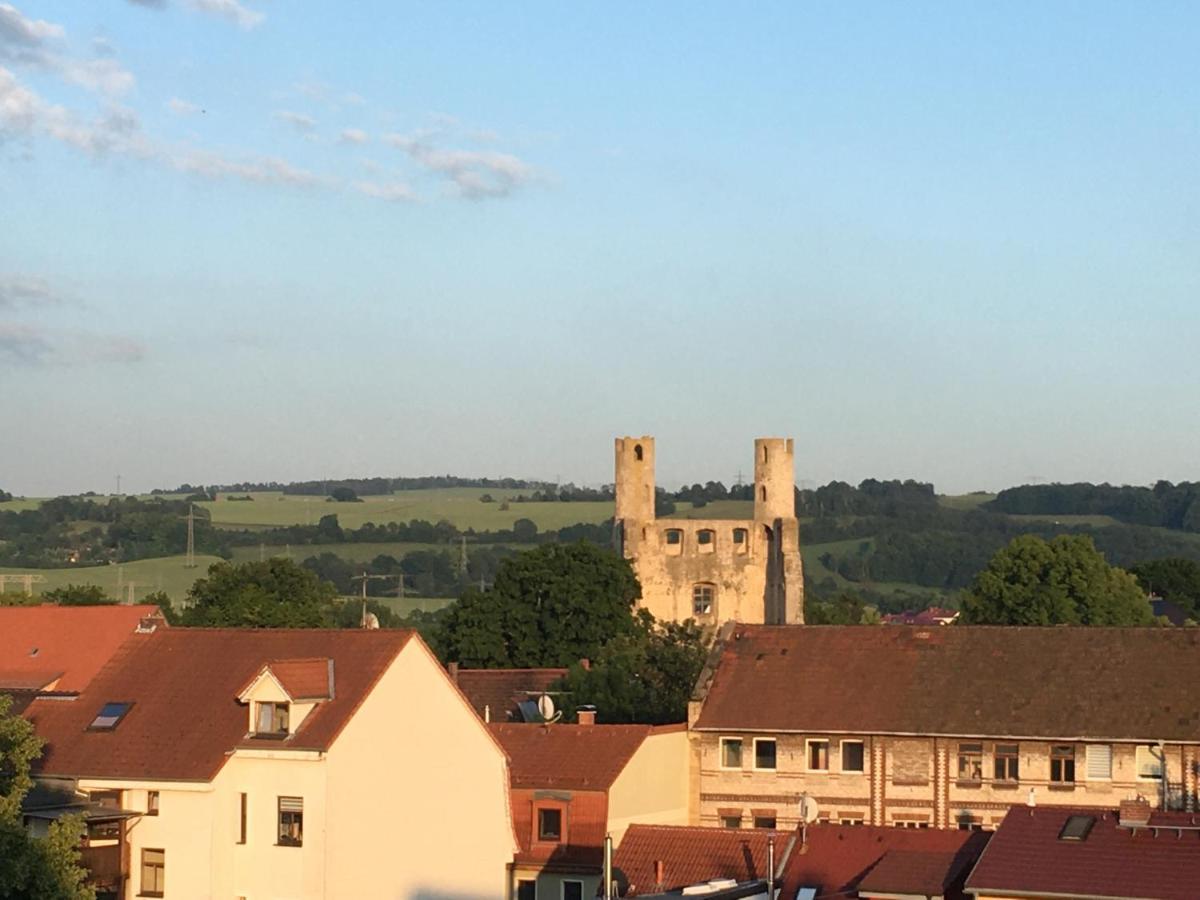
{"type": "Point", "coordinates": [411, 802]}
{"type": "Point", "coordinates": [418, 793]}
{"type": "Point", "coordinates": [842, 793]}
{"type": "Point", "coordinates": [652, 789]}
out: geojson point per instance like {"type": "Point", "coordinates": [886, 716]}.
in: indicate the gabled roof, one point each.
{"type": "Point", "coordinates": [63, 644]}
{"type": "Point", "coordinates": [183, 686]}
{"type": "Point", "coordinates": [835, 860]}
{"type": "Point", "coordinates": [302, 679]}
{"type": "Point", "coordinates": [569, 757]}
{"type": "Point", "coordinates": [1026, 855]}
{"type": "Point", "coordinates": [1063, 682]}
{"type": "Point", "coordinates": [496, 692]}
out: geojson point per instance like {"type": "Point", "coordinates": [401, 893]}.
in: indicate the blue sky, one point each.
{"type": "Point", "coordinates": [265, 239]}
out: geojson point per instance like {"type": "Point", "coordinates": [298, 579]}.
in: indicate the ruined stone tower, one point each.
{"type": "Point", "coordinates": [714, 570]}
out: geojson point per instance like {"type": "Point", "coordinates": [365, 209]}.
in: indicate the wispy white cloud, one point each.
{"type": "Point", "coordinates": [325, 94]}
{"type": "Point", "coordinates": [35, 44]}
{"type": "Point", "coordinates": [255, 169]}
{"type": "Point", "coordinates": [230, 10]}
{"type": "Point", "coordinates": [353, 136]}
{"type": "Point", "coordinates": [396, 192]}
{"type": "Point", "coordinates": [298, 121]}
{"type": "Point", "coordinates": [182, 107]}
{"type": "Point", "coordinates": [27, 345]}
{"type": "Point", "coordinates": [27, 291]}
{"type": "Point", "coordinates": [475, 174]}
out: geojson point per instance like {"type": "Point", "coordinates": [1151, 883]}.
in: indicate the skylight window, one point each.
{"type": "Point", "coordinates": [109, 716]}
{"type": "Point", "coordinates": [1076, 828]}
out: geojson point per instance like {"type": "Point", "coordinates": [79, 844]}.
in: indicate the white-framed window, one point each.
{"type": "Point", "coordinates": [272, 719]}
{"type": "Point", "coordinates": [816, 754]}
{"type": "Point", "coordinates": [854, 758]}
{"type": "Point", "coordinates": [731, 753]}
{"type": "Point", "coordinates": [572, 890]}
{"type": "Point", "coordinates": [764, 753]}
{"type": "Point", "coordinates": [1149, 763]}
{"type": "Point", "coordinates": [1099, 762]}
{"type": "Point", "coordinates": [703, 597]}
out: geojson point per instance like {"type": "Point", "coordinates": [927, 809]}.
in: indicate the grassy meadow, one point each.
{"type": "Point", "coordinates": [166, 573]}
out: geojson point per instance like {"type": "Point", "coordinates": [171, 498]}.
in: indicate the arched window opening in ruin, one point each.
{"type": "Point", "coordinates": [740, 535]}
{"type": "Point", "coordinates": [674, 536]}
{"type": "Point", "coordinates": [637, 452]}
{"type": "Point", "coordinates": [707, 539]}
{"type": "Point", "coordinates": [762, 494]}
{"type": "Point", "coordinates": [764, 453]}
{"type": "Point", "coordinates": [703, 598]}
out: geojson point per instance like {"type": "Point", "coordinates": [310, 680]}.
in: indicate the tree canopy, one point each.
{"type": "Point", "coordinates": [78, 595]}
{"type": "Point", "coordinates": [551, 606]}
{"type": "Point", "coordinates": [275, 593]}
{"type": "Point", "coordinates": [1174, 579]}
{"type": "Point", "coordinates": [644, 675]}
{"type": "Point", "coordinates": [48, 867]}
{"type": "Point", "coordinates": [1061, 581]}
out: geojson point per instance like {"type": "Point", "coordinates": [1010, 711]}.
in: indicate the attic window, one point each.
{"type": "Point", "coordinates": [272, 719]}
{"type": "Point", "coordinates": [1076, 828]}
{"type": "Point", "coordinates": [109, 716]}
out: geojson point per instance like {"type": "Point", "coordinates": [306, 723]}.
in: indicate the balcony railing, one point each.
{"type": "Point", "coordinates": [106, 864]}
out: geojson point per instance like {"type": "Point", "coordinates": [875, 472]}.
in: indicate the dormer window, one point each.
{"type": "Point", "coordinates": [109, 716]}
{"type": "Point", "coordinates": [272, 719]}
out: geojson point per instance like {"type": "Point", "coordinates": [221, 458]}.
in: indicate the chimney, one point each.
{"type": "Point", "coordinates": [1135, 812]}
{"type": "Point", "coordinates": [659, 885]}
{"type": "Point", "coordinates": [452, 669]}
{"type": "Point", "coordinates": [586, 715]}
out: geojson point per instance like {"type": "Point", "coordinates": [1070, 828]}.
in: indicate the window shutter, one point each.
{"type": "Point", "coordinates": [291, 804]}
{"type": "Point", "coordinates": [1099, 762]}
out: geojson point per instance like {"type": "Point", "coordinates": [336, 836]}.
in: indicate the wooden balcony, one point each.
{"type": "Point", "coordinates": [107, 864]}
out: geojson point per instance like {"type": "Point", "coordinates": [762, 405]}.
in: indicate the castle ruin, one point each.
{"type": "Point", "coordinates": [714, 570]}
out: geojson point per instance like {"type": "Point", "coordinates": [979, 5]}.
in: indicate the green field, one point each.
{"type": "Point", "coordinates": [460, 506]}
{"type": "Point", "coordinates": [1094, 521]}
{"type": "Point", "coordinates": [964, 501]}
{"type": "Point", "coordinates": [167, 573]}
{"type": "Point", "coordinates": [406, 605]}
{"type": "Point", "coordinates": [20, 504]}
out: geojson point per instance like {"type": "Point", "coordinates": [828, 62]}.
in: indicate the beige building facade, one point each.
{"type": "Point", "coordinates": [379, 798]}
{"type": "Point", "coordinates": [714, 570]}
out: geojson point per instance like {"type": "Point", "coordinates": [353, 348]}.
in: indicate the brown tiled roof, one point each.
{"type": "Point", "coordinates": [1101, 683]}
{"type": "Point", "coordinates": [580, 757]}
{"type": "Point", "coordinates": [498, 690]}
{"type": "Point", "coordinates": [834, 859]}
{"type": "Point", "coordinates": [183, 684]}
{"type": "Point", "coordinates": [1026, 855]}
{"type": "Point", "coordinates": [586, 824]}
{"type": "Point", "coordinates": [691, 855]}
{"type": "Point", "coordinates": [304, 679]}
{"type": "Point", "coordinates": [72, 642]}
{"type": "Point", "coordinates": [841, 858]}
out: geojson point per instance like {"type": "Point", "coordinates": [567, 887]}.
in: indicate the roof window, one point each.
{"type": "Point", "coordinates": [1076, 828]}
{"type": "Point", "coordinates": [109, 716]}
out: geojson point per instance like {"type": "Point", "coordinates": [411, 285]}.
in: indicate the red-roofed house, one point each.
{"type": "Point", "coordinates": [282, 763]}
{"type": "Point", "coordinates": [61, 648]}
{"type": "Point", "coordinates": [573, 784]}
{"type": "Point", "coordinates": [943, 727]}
{"type": "Point", "coordinates": [497, 694]}
{"type": "Point", "coordinates": [822, 861]}
{"type": "Point", "coordinates": [1085, 852]}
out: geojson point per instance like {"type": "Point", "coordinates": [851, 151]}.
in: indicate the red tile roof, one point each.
{"type": "Point", "coordinates": [585, 820]}
{"type": "Point", "coordinates": [1025, 855]}
{"type": "Point", "coordinates": [69, 644]}
{"type": "Point", "coordinates": [899, 679]}
{"type": "Point", "coordinates": [498, 690]}
{"type": "Point", "coordinates": [183, 684]}
{"type": "Point", "coordinates": [579, 757]}
{"type": "Point", "coordinates": [304, 679]}
{"type": "Point", "coordinates": [834, 859]}
{"type": "Point", "coordinates": [692, 855]}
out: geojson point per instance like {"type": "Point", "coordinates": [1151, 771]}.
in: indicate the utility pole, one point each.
{"type": "Point", "coordinates": [190, 561]}
{"type": "Point", "coordinates": [364, 578]}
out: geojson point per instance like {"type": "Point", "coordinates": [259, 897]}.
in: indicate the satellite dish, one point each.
{"type": "Point", "coordinates": [809, 810]}
{"type": "Point", "coordinates": [545, 706]}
